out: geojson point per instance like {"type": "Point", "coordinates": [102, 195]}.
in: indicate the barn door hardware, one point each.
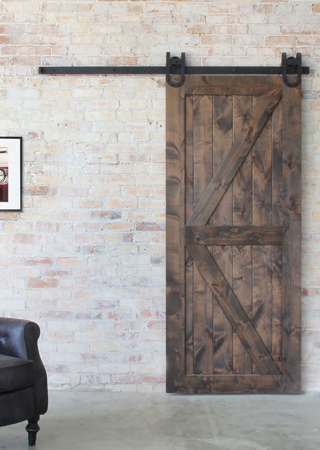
{"type": "Point", "coordinates": [177, 66]}
{"type": "Point", "coordinates": [291, 66]}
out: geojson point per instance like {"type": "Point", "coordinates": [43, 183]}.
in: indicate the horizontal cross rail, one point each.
{"type": "Point", "coordinates": [234, 235]}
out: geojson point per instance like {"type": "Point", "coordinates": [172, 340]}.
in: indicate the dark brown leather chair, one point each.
{"type": "Point", "coordinates": [23, 379]}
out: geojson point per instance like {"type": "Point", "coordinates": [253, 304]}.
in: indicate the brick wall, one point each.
{"type": "Point", "coordinates": [86, 256]}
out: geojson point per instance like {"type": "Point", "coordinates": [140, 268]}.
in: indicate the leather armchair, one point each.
{"type": "Point", "coordinates": [23, 378]}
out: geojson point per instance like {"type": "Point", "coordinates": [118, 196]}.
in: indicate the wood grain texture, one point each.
{"type": "Point", "coordinates": [291, 261]}
{"type": "Point", "coordinates": [233, 250]}
{"type": "Point", "coordinates": [242, 216]}
{"type": "Point", "coordinates": [232, 384]}
{"type": "Point", "coordinates": [234, 235]}
{"type": "Point", "coordinates": [233, 310]}
{"type": "Point", "coordinates": [175, 248]}
{"type": "Point", "coordinates": [262, 215]}
{"type": "Point", "coordinates": [222, 139]}
{"type": "Point", "coordinates": [230, 85]}
{"type": "Point", "coordinates": [277, 219]}
{"type": "Point", "coordinates": [189, 271]}
{"type": "Point", "coordinates": [202, 161]}
{"type": "Point", "coordinates": [233, 160]}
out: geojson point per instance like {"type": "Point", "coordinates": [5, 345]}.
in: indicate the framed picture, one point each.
{"type": "Point", "coordinates": [10, 173]}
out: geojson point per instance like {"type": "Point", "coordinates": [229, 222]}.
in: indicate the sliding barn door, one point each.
{"type": "Point", "coordinates": [233, 235]}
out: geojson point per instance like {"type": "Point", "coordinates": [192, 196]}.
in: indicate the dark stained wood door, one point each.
{"type": "Point", "coordinates": [233, 235]}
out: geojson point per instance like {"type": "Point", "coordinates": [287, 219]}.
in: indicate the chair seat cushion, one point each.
{"type": "Point", "coordinates": [15, 373]}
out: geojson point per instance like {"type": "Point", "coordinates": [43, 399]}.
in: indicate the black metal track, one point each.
{"type": "Point", "coordinates": [161, 70]}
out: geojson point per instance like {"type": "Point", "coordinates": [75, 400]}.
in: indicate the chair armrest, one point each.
{"type": "Point", "coordinates": [19, 338]}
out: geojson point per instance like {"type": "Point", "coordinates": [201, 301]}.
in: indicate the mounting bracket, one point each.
{"type": "Point", "coordinates": [291, 66]}
{"type": "Point", "coordinates": [176, 65]}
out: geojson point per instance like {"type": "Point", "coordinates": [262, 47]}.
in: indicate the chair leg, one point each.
{"type": "Point", "coordinates": [32, 429]}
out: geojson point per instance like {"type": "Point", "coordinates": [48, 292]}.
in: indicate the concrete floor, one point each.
{"type": "Point", "coordinates": [119, 421]}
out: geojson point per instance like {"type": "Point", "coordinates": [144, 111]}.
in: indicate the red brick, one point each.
{"type": "Point", "coordinates": [39, 262]}
{"type": "Point", "coordinates": [36, 190]}
{"type": "Point", "coordinates": [39, 283]}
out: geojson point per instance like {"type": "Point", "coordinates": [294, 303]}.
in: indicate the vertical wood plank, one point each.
{"type": "Point", "coordinates": [189, 262]}
{"type": "Point", "coordinates": [291, 260]}
{"type": "Point", "coordinates": [242, 215]}
{"type": "Point", "coordinates": [203, 154]}
{"type": "Point", "coordinates": [175, 261]}
{"type": "Point", "coordinates": [222, 329]}
{"type": "Point", "coordinates": [262, 215]}
{"type": "Point", "coordinates": [277, 220]}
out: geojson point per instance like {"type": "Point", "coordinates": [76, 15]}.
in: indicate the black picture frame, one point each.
{"type": "Point", "coordinates": [10, 173]}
